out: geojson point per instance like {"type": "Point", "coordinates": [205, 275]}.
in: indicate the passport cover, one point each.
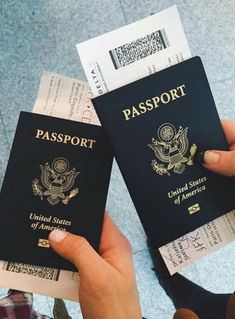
{"type": "Point", "coordinates": [156, 126]}
{"type": "Point", "coordinates": [57, 177]}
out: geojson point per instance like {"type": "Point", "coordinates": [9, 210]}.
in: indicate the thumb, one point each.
{"type": "Point", "coordinates": [221, 162]}
{"type": "Point", "coordinates": [75, 249]}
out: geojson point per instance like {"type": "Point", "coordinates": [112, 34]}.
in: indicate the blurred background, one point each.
{"type": "Point", "coordinates": [41, 35]}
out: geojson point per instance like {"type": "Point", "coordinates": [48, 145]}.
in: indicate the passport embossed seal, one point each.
{"type": "Point", "coordinates": [57, 179]}
{"type": "Point", "coordinates": [171, 148]}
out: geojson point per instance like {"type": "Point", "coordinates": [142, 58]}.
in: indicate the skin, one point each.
{"type": "Point", "coordinates": [107, 280]}
{"type": "Point", "coordinates": [226, 162]}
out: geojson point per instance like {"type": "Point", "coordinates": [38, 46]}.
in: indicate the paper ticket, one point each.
{"type": "Point", "coordinates": [134, 51]}
{"type": "Point", "coordinates": [65, 97]}
{"type": "Point", "coordinates": [40, 280]}
{"type": "Point", "coordinates": [198, 243]}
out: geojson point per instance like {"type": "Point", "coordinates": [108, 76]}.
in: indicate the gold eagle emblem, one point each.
{"type": "Point", "coordinates": [171, 148]}
{"type": "Point", "coordinates": [56, 179]}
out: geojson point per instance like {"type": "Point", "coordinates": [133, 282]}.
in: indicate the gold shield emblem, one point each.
{"type": "Point", "coordinates": [57, 181]}
{"type": "Point", "coordinates": [170, 148]}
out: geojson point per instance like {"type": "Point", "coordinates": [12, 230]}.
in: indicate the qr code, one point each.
{"type": "Point", "coordinates": [32, 270]}
{"type": "Point", "coordinates": [138, 49]}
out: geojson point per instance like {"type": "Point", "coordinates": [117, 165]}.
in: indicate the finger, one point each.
{"type": "Point", "coordinates": [229, 131]}
{"type": "Point", "coordinates": [220, 162]}
{"type": "Point", "coordinates": [77, 250]}
{"type": "Point", "coordinates": [114, 246]}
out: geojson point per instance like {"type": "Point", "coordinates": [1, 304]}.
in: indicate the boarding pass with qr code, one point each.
{"type": "Point", "coordinates": [134, 51]}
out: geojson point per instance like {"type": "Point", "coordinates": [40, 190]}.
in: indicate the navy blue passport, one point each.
{"type": "Point", "coordinates": [156, 126]}
{"type": "Point", "coordinates": [57, 178]}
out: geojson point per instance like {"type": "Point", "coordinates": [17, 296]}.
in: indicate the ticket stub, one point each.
{"type": "Point", "coordinates": [134, 51]}
{"type": "Point", "coordinates": [65, 97]}
{"type": "Point", "coordinates": [198, 243]}
{"type": "Point", "coordinates": [41, 280]}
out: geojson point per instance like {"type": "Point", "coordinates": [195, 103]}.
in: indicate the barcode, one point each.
{"type": "Point", "coordinates": [138, 49]}
{"type": "Point", "coordinates": [32, 270]}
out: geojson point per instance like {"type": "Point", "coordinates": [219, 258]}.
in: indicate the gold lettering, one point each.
{"type": "Point", "coordinates": [46, 136]}
{"type": "Point", "coordinates": [156, 100]}
{"type": "Point", "coordinates": [181, 89]}
{"type": "Point", "coordinates": [168, 98]}
{"type": "Point", "coordinates": [127, 113]}
{"type": "Point", "coordinates": [39, 133]}
{"type": "Point", "coordinates": [135, 112]}
{"type": "Point", "coordinates": [53, 137]}
{"type": "Point", "coordinates": [91, 143]}
{"type": "Point", "coordinates": [56, 220]}
{"type": "Point", "coordinates": [66, 138]}
{"type": "Point", "coordinates": [84, 142]}
{"type": "Point", "coordinates": [142, 108]}
{"type": "Point", "coordinates": [60, 138]}
{"type": "Point", "coordinates": [73, 140]}
{"type": "Point", "coordinates": [149, 105]}
{"type": "Point", "coordinates": [174, 94]}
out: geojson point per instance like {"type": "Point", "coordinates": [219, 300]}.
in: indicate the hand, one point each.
{"type": "Point", "coordinates": [220, 161]}
{"type": "Point", "coordinates": [107, 287]}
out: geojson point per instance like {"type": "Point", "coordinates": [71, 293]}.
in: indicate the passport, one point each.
{"type": "Point", "coordinates": [57, 178]}
{"type": "Point", "coordinates": [157, 126]}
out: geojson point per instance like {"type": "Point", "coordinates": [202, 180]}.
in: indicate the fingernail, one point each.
{"type": "Point", "coordinates": [57, 235]}
{"type": "Point", "coordinates": [200, 157]}
{"type": "Point", "coordinates": [207, 157]}
{"type": "Point", "coordinates": [211, 157]}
